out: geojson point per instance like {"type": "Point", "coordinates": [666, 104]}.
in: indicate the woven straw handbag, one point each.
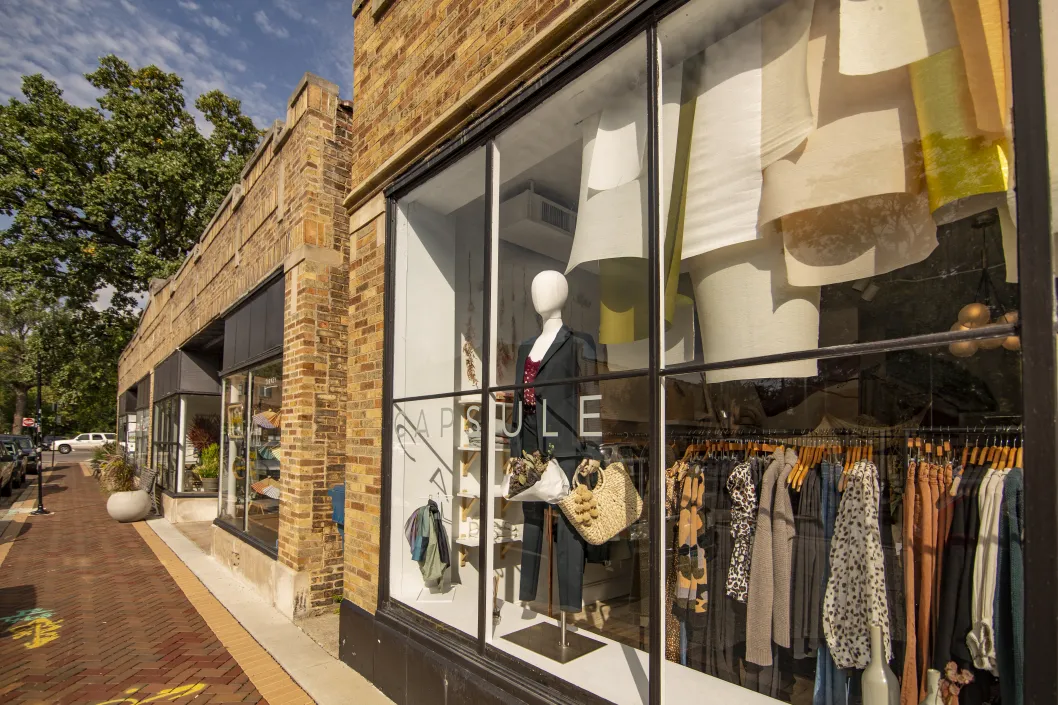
{"type": "Point", "coordinates": [600, 513]}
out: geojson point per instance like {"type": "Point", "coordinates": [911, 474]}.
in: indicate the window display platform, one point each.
{"type": "Point", "coordinates": [182, 507]}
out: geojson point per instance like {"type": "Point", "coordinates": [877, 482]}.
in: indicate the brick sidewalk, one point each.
{"type": "Point", "coordinates": [88, 614]}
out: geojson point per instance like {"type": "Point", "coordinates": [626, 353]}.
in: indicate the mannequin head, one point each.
{"type": "Point", "coordinates": [549, 292]}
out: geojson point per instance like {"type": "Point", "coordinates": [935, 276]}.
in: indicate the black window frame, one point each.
{"type": "Point", "coordinates": [1037, 328]}
{"type": "Point", "coordinates": [243, 532]}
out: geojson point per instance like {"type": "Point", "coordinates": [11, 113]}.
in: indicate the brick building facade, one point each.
{"type": "Point", "coordinates": [400, 239]}
{"type": "Point", "coordinates": [285, 217]}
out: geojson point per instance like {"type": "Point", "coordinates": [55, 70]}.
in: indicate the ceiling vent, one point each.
{"type": "Point", "coordinates": [536, 223]}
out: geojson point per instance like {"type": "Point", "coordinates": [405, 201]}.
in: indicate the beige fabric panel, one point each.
{"type": "Point", "coordinates": [746, 308]}
{"type": "Point", "coordinates": [881, 35]}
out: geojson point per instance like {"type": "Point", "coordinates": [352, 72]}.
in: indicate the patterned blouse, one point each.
{"type": "Point", "coordinates": [855, 598]}
{"type": "Point", "coordinates": [532, 368]}
{"type": "Point", "coordinates": [743, 522]}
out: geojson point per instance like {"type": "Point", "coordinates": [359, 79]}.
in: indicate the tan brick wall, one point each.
{"type": "Point", "coordinates": [285, 215]}
{"type": "Point", "coordinates": [364, 472]}
{"type": "Point", "coordinates": [424, 69]}
{"type": "Point", "coordinates": [316, 352]}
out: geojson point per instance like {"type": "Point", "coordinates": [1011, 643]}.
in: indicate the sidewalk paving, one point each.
{"type": "Point", "coordinates": [89, 614]}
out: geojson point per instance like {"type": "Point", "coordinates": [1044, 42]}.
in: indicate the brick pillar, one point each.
{"type": "Point", "coordinates": [315, 350]}
{"type": "Point", "coordinates": [363, 481]}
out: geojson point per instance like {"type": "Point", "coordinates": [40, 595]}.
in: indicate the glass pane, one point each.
{"type": "Point", "coordinates": [440, 273]}
{"type": "Point", "coordinates": [436, 468]}
{"type": "Point", "coordinates": [142, 436]}
{"type": "Point", "coordinates": [573, 212]}
{"type": "Point", "coordinates": [829, 167]}
{"type": "Point", "coordinates": [161, 444]}
{"type": "Point", "coordinates": [587, 558]}
{"type": "Point", "coordinates": [265, 436]}
{"type": "Point", "coordinates": [773, 577]}
{"type": "Point", "coordinates": [233, 450]}
{"type": "Point", "coordinates": [202, 422]}
{"type": "Point", "coordinates": [173, 440]}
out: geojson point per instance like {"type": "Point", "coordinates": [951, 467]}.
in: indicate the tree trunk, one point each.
{"type": "Point", "coordinates": [21, 391]}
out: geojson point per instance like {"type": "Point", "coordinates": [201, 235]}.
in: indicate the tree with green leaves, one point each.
{"type": "Point", "coordinates": [114, 195]}
{"type": "Point", "coordinates": [20, 321]}
{"type": "Point", "coordinates": [103, 197]}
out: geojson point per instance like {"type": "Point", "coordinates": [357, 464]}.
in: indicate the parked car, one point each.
{"type": "Point", "coordinates": [82, 441]}
{"type": "Point", "coordinates": [9, 458]}
{"type": "Point", "coordinates": [27, 455]}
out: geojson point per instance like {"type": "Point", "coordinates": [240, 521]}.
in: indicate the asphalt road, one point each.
{"type": "Point", "coordinates": [74, 456]}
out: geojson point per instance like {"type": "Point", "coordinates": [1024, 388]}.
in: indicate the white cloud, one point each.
{"type": "Point", "coordinates": [267, 27]}
{"type": "Point", "coordinates": [214, 23]}
{"type": "Point", "coordinates": [288, 9]}
{"type": "Point", "coordinates": [63, 41]}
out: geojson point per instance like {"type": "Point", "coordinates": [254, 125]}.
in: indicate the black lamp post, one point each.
{"type": "Point", "coordinates": [40, 445]}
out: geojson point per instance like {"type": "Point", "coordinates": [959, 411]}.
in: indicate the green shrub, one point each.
{"type": "Point", "coordinates": [208, 461]}
{"type": "Point", "coordinates": [117, 474]}
{"type": "Point", "coordinates": [102, 454]}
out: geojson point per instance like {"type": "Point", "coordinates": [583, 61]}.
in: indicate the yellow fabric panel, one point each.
{"type": "Point", "coordinates": [982, 29]}
{"type": "Point", "coordinates": [624, 282]}
{"type": "Point", "coordinates": [959, 160]}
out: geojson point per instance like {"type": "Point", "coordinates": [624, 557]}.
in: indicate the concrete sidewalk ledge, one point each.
{"type": "Point", "coordinates": [327, 680]}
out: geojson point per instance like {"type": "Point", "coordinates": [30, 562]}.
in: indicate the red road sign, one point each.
{"type": "Point", "coordinates": [29, 422]}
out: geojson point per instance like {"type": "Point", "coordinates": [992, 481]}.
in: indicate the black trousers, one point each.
{"type": "Point", "coordinates": [569, 551]}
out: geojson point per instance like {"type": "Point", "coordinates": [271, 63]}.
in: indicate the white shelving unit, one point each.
{"type": "Point", "coordinates": [468, 496]}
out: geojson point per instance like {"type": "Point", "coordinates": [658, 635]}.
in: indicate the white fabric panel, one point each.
{"type": "Point", "coordinates": [852, 198]}
{"type": "Point", "coordinates": [746, 308]}
{"type": "Point", "coordinates": [879, 35]}
{"type": "Point", "coordinates": [611, 215]}
{"type": "Point", "coordinates": [863, 126]}
{"type": "Point", "coordinates": [858, 239]}
{"type": "Point", "coordinates": [786, 104]}
{"type": "Point", "coordinates": [1008, 225]}
{"type": "Point", "coordinates": [724, 179]}
{"type": "Point", "coordinates": [620, 139]}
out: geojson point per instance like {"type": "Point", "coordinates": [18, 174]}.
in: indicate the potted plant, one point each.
{"type": "Point", "coordinates": [208, 467]}
{"type": "Point", "coordinates": [126, 503]}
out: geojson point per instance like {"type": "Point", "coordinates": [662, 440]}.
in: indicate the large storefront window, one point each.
{"type": "Point", "coordinates": [233, 450]}
{"type": "Point", "coordinates": [251, 451]}
{"type": "Point", "coordinates": [141, 438]}
{"type": "Point", "coordinates": [185, 426]}
{"type": "Point", "coordinates": [775, 330]}
{"type": "Point", "coordinates": [166, 445]}
{"type": "Point", "coordinates": [439, 273]}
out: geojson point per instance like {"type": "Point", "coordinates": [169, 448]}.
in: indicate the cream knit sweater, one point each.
{"type": "Point", "coordinates": [768, 609]}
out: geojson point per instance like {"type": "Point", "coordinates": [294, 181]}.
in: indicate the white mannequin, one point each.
{"type": "Point", "coordinates": [549, 291]}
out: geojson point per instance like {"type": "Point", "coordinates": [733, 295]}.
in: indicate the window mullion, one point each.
{"type": "Point", "coordinates": [247, 425]}
{"type": "Point", "coordinates": [655, 510]}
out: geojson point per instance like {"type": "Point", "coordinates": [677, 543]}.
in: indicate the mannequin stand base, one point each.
{"type": "Point", "coordinates": [546, 639]}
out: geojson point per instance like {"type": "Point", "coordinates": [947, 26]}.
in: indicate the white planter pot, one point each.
{"type": "Point", "coordinates": [129, 506]}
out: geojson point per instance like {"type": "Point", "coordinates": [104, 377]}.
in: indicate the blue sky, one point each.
{"type": "Point", "coordinates": [254, 50]}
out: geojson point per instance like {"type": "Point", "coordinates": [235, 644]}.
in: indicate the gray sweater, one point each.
{"type": "Point", "coordinates": [768, 608]}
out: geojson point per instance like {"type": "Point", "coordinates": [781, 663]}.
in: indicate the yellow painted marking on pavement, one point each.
{"type": "Point", "coordinates": [42, 630]}
{"type": "Point", "coordinates": [271, 681]}
{"type": "Point", "coordinates": [168, 694]}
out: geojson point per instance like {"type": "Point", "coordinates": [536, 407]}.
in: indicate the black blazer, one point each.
{"type": "Point", "coordinates": [570, 355]}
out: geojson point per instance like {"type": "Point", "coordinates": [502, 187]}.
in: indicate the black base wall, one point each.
{"type": "Point", "coordinates": [405, 670]}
